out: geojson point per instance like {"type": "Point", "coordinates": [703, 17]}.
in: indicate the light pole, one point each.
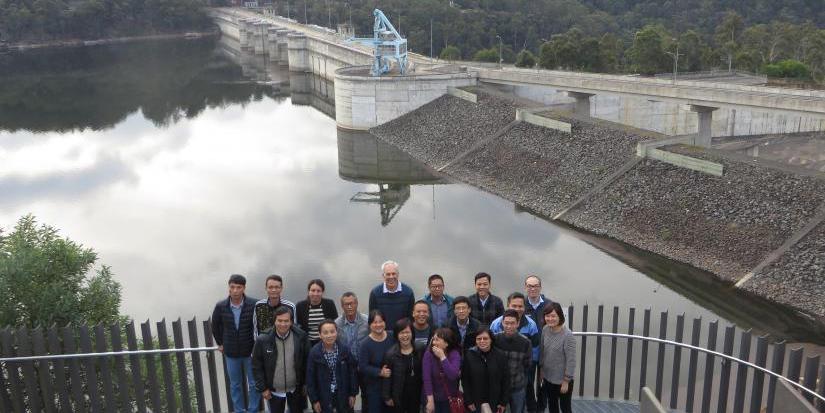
{"type": "Point", "coordinates": [431, 39]}
{"type": "Point", "coordinates": [500, 60]}
{"type": "Point", "coordinates": [675, 60]}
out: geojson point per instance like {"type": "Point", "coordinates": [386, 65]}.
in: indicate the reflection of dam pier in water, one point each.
{"type": "Point", "coordinates": [362, 158]}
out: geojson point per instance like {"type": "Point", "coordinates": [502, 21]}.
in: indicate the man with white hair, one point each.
{"type": "Point", "coordinates": [394, 298]}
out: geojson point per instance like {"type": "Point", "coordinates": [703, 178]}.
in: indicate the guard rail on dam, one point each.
{"type": "Point", "coordinates": [689, 365]}
{"type": "Point", "coordinates": [323, 52]}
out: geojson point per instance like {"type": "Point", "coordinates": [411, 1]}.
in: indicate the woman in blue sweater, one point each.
{"type": "Point", "coordinates": [371, 361]}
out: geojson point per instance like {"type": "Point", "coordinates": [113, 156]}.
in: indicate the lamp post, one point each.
{"type": "Point", "coordinates": [675, 60]}
{"type": "Point", "coordinates": [500, 60]}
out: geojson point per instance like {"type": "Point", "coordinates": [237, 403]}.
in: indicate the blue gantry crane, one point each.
{"type": "Point", "coordinates": [388, 46]}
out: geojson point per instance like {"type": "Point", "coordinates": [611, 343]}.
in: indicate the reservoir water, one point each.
{"type": "Point", "coordinates": [182, 162]}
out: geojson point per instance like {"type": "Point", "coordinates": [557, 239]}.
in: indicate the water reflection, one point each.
{"type": "Point", "coordinates": [99, 87]}
{"type": "Point", "coordinates": [364, 158]}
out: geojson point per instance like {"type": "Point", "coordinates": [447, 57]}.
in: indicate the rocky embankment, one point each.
{"type": "Point", "coordinates": [726, 225]}
{"type": "Point", "coordinates": [441, 130]}
{"type": "Point", "coordinates": [546, 169]}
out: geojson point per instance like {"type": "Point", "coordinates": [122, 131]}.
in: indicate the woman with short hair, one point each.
{"type": "Point", "coordinates": [558, 359]}
{"type": "Point", "coordinates": [371, 364]}
{"type": "Point", "coordinates": [483, 375]}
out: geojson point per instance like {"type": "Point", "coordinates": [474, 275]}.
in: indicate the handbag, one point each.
{"type": "Point", "coordinates": [457, 401]}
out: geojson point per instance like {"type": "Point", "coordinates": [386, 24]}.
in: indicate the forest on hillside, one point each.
{"type": "Point", "coordinates": [784, 38]}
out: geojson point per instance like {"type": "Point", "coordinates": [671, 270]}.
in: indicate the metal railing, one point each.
{"type": "Point", "coordinates": [88, 369]}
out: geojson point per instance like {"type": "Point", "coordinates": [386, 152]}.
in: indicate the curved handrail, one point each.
{"type": "Point", "coordinates": [703, 350]}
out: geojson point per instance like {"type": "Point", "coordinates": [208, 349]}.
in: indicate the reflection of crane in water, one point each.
{"type": "Point", "coordinates": [362, 158]}
{"type": "Point", "coordinates": [390, 197]}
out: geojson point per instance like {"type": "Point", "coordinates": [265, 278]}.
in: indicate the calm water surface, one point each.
{"type": "Point", "coordinates": [179, 169]}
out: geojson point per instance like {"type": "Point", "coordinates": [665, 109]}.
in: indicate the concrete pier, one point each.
{"type": "Point", "coordinates": [704, 133]}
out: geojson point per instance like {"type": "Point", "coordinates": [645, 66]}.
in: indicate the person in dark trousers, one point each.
{"type": "Point", "coordinates": [330, 380]}
{"type": "Point", "coordinates": [483, 376]}
{"type": "Point", "coordinates": [313, 310]}
{"type": "Point", "coordinates": [402, 390]}
{"type": "Point", "coordinates": [484, 306]}
{"type": "Point", "coordinates": [233, 331]}
{"type": "Point", "coordinates": [536, 301]}
{"type": "Point", "coordinates": [264, 316]}
{"type": "Point", "coordinates": [394, 298]}
{"type": "Point", "coordinates": [279, 363]}
{"type": "Point", "coordinates": [464, 327]}
{"type": "Point", "coordinates": [558, 359]}
{"type": "Point", "coordinates": [352, 331]}
{"type": "Point", "coordinates": [518, 351]}
{"type": "Point", "coordinates": [371, 361]}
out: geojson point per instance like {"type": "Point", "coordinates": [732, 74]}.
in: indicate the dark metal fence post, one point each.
{"type": "Point", "coordinates": [758, 376]}
{"type": "Point", "coordinates": [677, 361]}
{"type": "Point", "coordinates": [134, 364]}
{"type": "Point", "coordinates": [660, 358]}
{"type": "Point", "coordinates": [197, 371]}
{"type": "Point", "coordinates": [777, 365]}
{"type": "Point", "coordinates": [60, 381]}
{"type": "Point", "coordinates": [91, 369]}
{"type": "Point", "coordinates": [599, 328]}
{"type": "Point", "coordinates": [109, 401]}
{"type": "Point", "coordinates": [811, 374]}
{"type": "Point", "coordinates": [70, 347]}
{"type": "Point", "coordinates": [695, 333]}
{"type": "Point", "coordinates": [724, 379]}
{"type": "Point", "coordinates": [122, 381]}
{"type": "Point", "coordinates": [151, 368]}
{"type": "Point", "coordinates": [614, 330]}
{"type": "Point", "coordinates": [645, 333]}
{"type": "Point", "coordinates": [710, 363]}
{"type": "Point", "coordinates": [629, 356]}
{"type": "Point", "coordinates": [43, 372]}
{"type": "Point", "coordinates": [583, 366]}
{"type": "Point", "coordinates": [212, 367]}
{"type": "Point", "coordinates": [166, 366]}
{"type": "Point", "coordinates": [183, 374]}
{"type": "Point", "coordinates": [742, 372]}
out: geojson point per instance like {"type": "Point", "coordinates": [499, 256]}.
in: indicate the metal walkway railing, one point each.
{"type": "Point", "coordinates": [89, 369]}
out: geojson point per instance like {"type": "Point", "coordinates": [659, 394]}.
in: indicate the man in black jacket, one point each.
{"type": "Point", "coordinates": [464, 327]}
{"type": "Point", "coordinates": [279, 363]}
{"type": "Point", "coordinates": [233, 332]}
{"type": "Point", "coordinates": [484, 306]}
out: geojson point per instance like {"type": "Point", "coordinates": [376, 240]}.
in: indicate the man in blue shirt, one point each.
{"type": "Point", "coordinates": [536, 301]}
{"type": "Point", "coordinates": [352, 330]}
{"type": "Point", "coordinates": [441, 303]}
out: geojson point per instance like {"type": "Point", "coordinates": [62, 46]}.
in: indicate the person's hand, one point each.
{"type": "Point", "coordinates": [430, 405]}
{"type": "Point", "coordinates": [439, 353]}
{"type": "Point", "coordinates": [385, 372]}
{"type": "Point", "coordinates": [351, 402]}
{"type": "Point", "coordinates": [500, 409]}
{"type": "Point", "coordinates": [267, 394]}
{"type": "Point", "coordinates": [389, 402]}
{"type": "Point", "coordinates": [317, 407]}
{"type": "Point", "coordinates": [565, 386]}
{"type": "Point", "coordinates": [220, 348]}
{"type": "Point", "coordinates": [471, 407]}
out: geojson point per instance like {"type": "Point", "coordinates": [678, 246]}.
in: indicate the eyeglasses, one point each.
{"type": "Point", "coordinates": [531, 286]}
{"type": "Point", "coordinates": [436, 286]}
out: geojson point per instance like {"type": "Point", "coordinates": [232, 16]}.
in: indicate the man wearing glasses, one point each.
{"type": "Point", "coordinates": [536, 301]}
{"type": "Point", "coordinates": [441, 304]}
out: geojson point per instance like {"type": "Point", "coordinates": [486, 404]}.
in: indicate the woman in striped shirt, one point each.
{"type": "Point", "coordinates": [313, 310]}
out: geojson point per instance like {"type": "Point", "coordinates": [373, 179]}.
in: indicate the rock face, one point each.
{"type": "Point", "coordinates": [440, 130]}
{"type": "Point", "coordinates": [797, 278]}
{"type": "Point", "coordinates": [726, 225]}
{"type": "Point", "coordinates": [545, 169]}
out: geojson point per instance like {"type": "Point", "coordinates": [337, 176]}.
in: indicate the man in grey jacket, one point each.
{"type": "Point", "coordinates": [352, 330]}
{"type": "Point", "coordinates": [279, 363]}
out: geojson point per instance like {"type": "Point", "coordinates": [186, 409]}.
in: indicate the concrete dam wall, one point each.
{"type": "Point", "coordinates": [739, 226]}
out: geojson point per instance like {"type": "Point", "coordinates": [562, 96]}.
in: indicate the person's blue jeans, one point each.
{"type": "Point", "coordinates": [517, 399]}
{"type": "Point", "coordinates": [442, 406]}
{"type": "Point", "coordinates": [235, 367]}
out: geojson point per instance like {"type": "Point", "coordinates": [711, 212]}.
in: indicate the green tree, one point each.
{"type": "Point", "coordinates": [690, 49]}
{"type": "Point", "coordinates": [610, 53]}
{"type": "Point", "coordinates": [450, 53]}
{"type": "Point", "coordinates": [486, 55]}
{"type": "Point", "coordinates": [791, 69]}
{"type": "Point", "coordinates": [647, 53]}
{"type": "Point", "coordinates": [727, 35]}
{"type": "Point", "coordinates": [46, 279]}
{"type": "Point", "coordinates": [525, 59]}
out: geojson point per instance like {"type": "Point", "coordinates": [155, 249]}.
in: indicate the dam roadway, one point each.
{"type": "Point", "coordinates": [322, 52]}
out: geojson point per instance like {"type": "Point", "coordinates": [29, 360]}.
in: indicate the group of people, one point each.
{"type": "Point", "coordinates": [405, 354]}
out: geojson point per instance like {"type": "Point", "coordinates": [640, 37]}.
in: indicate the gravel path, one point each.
{"type": "Point", "coordinates": [545, 169]}
{"type": "Point", "coordinates": [440, 130]}
{"type": "Point", "coordinates": [725, 225]}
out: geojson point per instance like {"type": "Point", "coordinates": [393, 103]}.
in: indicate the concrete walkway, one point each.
{"type": "Point", "coordinates": [604, 406]}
